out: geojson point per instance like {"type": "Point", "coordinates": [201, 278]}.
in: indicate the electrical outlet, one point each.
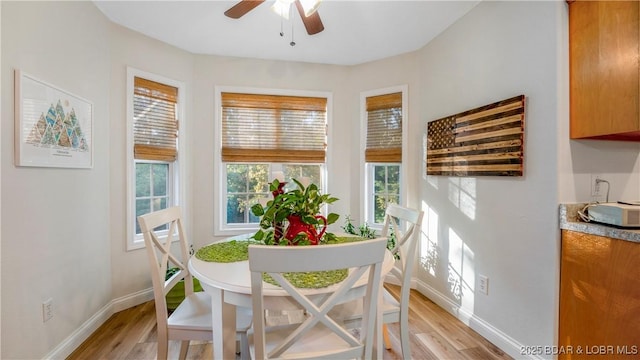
{"type": "Point", "coordinates": [596, 187]}
{"type": "Point", "coordinates": [483, 284]}
{"type": "Point", "coordinates": [47, 310]}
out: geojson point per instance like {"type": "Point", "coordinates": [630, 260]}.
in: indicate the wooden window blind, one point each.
{"type": "Point", "coordinates": [155, 127]}
{"type": "Point", "coordinates": [384, 128]}
{"type": "Point", "coordinates": [273, 128]}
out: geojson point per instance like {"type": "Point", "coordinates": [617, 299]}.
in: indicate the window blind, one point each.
{"type": "Point", "coordinates": [273, 128]}
{"type": "Point", "coordinates": [384, 128]}
{"type": "Point", "coordinates": [155, 127]}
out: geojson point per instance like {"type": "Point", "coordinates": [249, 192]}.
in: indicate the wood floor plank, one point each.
{"type": "Point", "coordinates": [434, 334]}
{"type": "Point", "coordinates": [143, 350]}
{"type": "Point", "coordinates": [477, 353]}
{"type": "Point", "coordinates": [112, 340]}
{"type": "Point", "coordinates": [443, 323]}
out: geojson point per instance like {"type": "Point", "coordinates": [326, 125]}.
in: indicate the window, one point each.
{"type": "Point", "coordinates": [383, 114]}
{"type": "Point", "coordinates": [153, 187]}
{"type": "Point", "coordinates": [385, 189]}
{"type": "Point", "coordinates": [153, 109]}
{"type": "Point", "coordinates": [265, 137]}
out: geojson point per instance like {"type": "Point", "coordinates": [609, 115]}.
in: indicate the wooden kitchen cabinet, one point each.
{"type": "Point", "coordinates": [599, 298]}
{"type": "Point", "coordinates": [604, 69]}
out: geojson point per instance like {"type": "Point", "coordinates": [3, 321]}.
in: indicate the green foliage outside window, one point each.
{"type": "Point", "coordinates": [248, 183]}
{"type": "Point", "coordinates": [152, 188]}
{"type": "Point", "coordinates": [386, 189]}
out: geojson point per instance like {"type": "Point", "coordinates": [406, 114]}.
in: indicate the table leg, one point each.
{"type": "Point", "coordinates": [378, 327]}
{"type": "Point", "coordinates": [224, 326]}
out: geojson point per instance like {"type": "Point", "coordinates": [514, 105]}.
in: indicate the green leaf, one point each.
{"type": "Point", "coordinates": [332, 218]}
{"type": "Point", "coordinates": [280, 217]}
{"type": "Point", "coordinates": [274, 185]}
{"type": "Point", "coordinates": [259, 235]}
{"type": "Point", "coordinates": [331, 200]}
{"type": "Point", "coordinates": [309, 219]}
{"type": "Point", "coordinates": [257, 210]}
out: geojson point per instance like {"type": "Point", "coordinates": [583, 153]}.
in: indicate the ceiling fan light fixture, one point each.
{"type": "Point", "coordinates": [309, 6]}
{"type": "Point", "coordinates": [282, 7]}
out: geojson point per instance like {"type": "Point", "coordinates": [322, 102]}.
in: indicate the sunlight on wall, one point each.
{"type": "Point", "coordinates": [429, 253]}
{"type": "Point", "coordinates": [462, 194]}
{"type": "Point", "coordinates": [444, 254]}
{"type": "Point", "coordinates": [433, 181]}
{"type": "Point", "coordinates": [461, 271]}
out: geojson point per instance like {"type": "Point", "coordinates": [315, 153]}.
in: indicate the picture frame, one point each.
{"type": "Point", "coordinates": [53, 127]}
{"type": "Point", "coordinates": [484, 141]}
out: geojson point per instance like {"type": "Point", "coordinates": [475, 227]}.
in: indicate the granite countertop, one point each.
{"type": "Point", "coordinates": [569, 220]}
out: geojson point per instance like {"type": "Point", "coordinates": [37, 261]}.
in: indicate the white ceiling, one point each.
{"type": "Point", "coordinates": [354, 31]}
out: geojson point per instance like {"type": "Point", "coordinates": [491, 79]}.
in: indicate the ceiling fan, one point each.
{"type": "Point", "coordinates": [306, 9]}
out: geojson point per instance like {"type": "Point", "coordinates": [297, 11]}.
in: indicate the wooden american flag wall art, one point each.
{"type": "Point", "coordinates": [485, 141]}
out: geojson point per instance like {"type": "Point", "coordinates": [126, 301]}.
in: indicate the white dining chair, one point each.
{"type": "Point", "coordinates": [405, 223]}
{"type": "Point", "coordinates": [318, 335]}
{"type": "Point", "coordinates": [191, 320]}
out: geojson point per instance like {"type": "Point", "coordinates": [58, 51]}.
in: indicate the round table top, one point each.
{"type": "Point", "coordinates": [236, 276]}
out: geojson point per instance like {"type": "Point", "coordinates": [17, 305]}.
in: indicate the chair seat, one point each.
{"type": "Point", "coordinates": [351, 312]}
{"type": "Point", "coordinates": [194, 313]}
{"type": "Point", "coordinates": [310, 343]}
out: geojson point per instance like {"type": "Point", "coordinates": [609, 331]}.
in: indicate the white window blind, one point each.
{"type": "Point", "coordinates": [273, 128]}
{"type": "Point", "coordinates": [384, 128]}
{"type": "Point", "coordinates": [155, 128]}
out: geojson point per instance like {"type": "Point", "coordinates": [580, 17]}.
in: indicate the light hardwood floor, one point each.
{"type": "Point", "coordinates": [435, 334]}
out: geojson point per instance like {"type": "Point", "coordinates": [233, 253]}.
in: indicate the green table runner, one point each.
{"type": "Point", "coordinates": [227, 251]}
{"type": "Point", "coordinates": [238, 250]}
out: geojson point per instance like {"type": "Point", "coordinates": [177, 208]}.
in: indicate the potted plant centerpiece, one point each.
{"type": "Point", "coordinates": [293, 217]}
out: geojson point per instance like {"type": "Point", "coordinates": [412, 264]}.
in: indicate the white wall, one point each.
{"type": "Point", "coordinates": [0, 166]}
{"type": "Point", "coordinates": [130, 269]}
{"type": "Point", "coordinates": [503, 227]}
{"type": "Point", "coordinates": [69, 243]}
{"type": "Point", "coordinates": [55, 222]}
{"type": "Point", "coordinates": [615, 161]}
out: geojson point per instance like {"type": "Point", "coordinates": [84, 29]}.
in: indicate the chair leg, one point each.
{"type": "Point", "coordinates": [244, 347]}
{"type": "Point", "coordinates": [404, 338]}
{"type": "Point", "coordinates": [163, 347]}
{"type": "Point", "coordinates": [385, 336]}
{"type": "Point", "coordinates": [184, 348]}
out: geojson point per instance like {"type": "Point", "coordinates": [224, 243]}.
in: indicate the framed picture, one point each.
{"type": "Point", "coordinates": [485, 141]}
{"type": "Point", "coordinates": [53, 128]}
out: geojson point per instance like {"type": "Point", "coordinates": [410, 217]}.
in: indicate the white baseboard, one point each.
{"type": "Point", "coordinates": [132, 300]}
{"type": "Point", "coordinates": [488, 331]}
{"type": "Point", "coordinates": [66, 347]}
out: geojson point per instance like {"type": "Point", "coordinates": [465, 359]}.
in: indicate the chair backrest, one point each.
{"type": "Point", "coordinates": [160, 229]}
{"type": "Point", "coordinates": [359, 257]}
{"type": "Point", "coordinates": [406, 224]}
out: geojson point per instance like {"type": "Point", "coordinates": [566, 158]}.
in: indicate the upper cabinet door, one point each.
{"type": "Point", "coordinates": [604, 38]}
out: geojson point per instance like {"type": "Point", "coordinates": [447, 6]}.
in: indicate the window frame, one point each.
{"type": "Point", "coordinates": [221, 228]}
{"type": "Point", "coordinates": [367, 174]}
{"type": "Point", "coordinates": [176, 169]}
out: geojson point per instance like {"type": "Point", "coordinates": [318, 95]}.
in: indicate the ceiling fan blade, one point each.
{"type": "Point", "coordinates": [312, 23]}
{"type": "Point", "coordinates": [241, 8]}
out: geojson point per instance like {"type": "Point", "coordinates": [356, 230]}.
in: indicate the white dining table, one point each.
{"type": "Point", "coordinates": [229, 285]}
